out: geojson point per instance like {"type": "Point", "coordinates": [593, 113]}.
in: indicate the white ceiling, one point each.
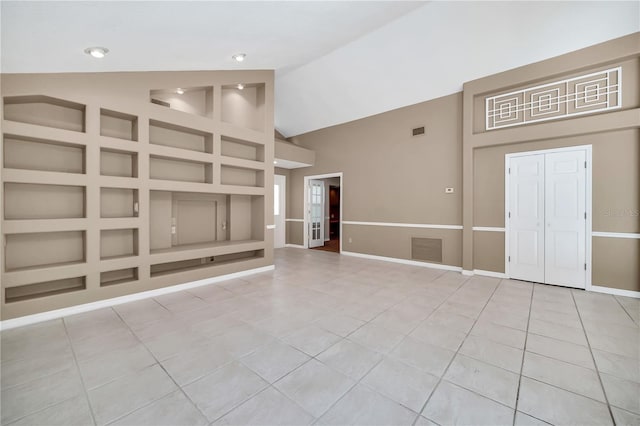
{"type": "Point", "coordinates": [335, 61]}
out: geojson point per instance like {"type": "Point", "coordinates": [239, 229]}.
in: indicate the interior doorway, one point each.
{"type": "Point", "coordinates": [279, 210]}
{"type": "Point", "coordinates": [548, 211]}
{"type": "Point", "coordinates": [323, 212]}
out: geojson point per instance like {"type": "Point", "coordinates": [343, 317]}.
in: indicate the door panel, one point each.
{"type": "Point", "coordinates": [526, 236]}
{"type": "Point", "coordinates": [565, 244]}
{"type": "Point", "coordinates": [316, 213]}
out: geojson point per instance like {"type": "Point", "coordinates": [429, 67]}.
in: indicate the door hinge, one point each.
{"type": "Point", "coordinates": [509, 259]}
{"type": "Point", "coordinates": [585, 164]}
{"type": "Point", "coordinates": [585, 266]}
{"type": "Point", "coordinates": [509, 215]}
{"type": "Point", "coordinates": [585, 215]}
{"type": "Point", "coordinates": [509, 170]}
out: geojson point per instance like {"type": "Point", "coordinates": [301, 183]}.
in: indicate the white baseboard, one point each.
{"type": "Point", "coordinates": [615, 291]}
{"type": "Point", "coordinates": [86, 307]}
{"type": "Point", "coordinates": [295, 246]}
{"type": "Point", "coordinates": [489, 273]}
{"type": "Point", "coordinates": [467, 273]}
{"type": "Point", "coordinates": [403, 261]}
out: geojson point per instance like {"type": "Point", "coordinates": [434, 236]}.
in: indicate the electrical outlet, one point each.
{"type": "Point", "coordinates": [448, 190]}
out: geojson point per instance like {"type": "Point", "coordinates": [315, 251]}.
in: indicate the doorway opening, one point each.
{"type": "Point", "coordinates": [323, 212]}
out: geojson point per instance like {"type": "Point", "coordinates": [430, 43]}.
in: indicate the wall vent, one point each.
{"type": "Point", "coordinates": [161, 103]}
{"type": "Point", "coordinates": [418, 131]}
{"type": "Point", "coordinates": [426, 249]}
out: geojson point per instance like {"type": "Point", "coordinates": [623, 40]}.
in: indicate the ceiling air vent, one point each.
{"type": "Point", "coordinates": [426, 249]}
{"type": "Point", "coordinates": [418, 131]}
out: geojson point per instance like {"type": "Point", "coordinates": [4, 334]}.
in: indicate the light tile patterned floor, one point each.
{"type": "Point", "coordinates": [335, 340]}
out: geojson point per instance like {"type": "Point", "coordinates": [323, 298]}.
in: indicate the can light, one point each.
{"type": "Point", "coordinates": [240, 86]}
{"type": "Point", "coordinates": [239, 57]}
{"type": "Point", "coordinates": [180, 91]}
{"type": "Point", "coordinates": [97, 52]}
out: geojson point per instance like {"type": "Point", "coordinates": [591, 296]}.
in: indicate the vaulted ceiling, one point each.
{"type": "Point", "coordinates": [335, 61]}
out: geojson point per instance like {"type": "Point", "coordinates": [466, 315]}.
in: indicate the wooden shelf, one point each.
{"type": "Point", "coordinates": [16, 128]}
{"type": "Point", "coordinates": [217, 248]}
{"type": "Point", "coordinates": [53, 178]}
{"type": "Point", "coordinates": [44, 225]}
{"type": "Point", "coordinates": [242, 163]}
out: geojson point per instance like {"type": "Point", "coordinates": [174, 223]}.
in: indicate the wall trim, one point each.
{"type": "Point", "coordinates": [615, 291]}
{"type": "Point", "coordinates": [488, 229]}
{"type": "Point", "coordinates": [295, 246]}
{"type": "Point", "coordinates": [467, 273]}
{"type": "Point", "coordinates": [92, 306]}
{"type": "Point", "coordinates": [616, 235]}
{"type": "Point", "coordinates": [402, 225]}
{"type": "Point", "coordinates": [490, 273]}
{"type": "Point", "coordinates": [294, 220]}
{"type": "Point", "coordinates": [403, 261]}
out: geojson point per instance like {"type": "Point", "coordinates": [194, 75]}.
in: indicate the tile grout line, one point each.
{"type": "Point", "coordinates": [584, 330]}
{"type": "Point", "coordinates": [163, 369]}
{"type": "Point", "coordinates": [441, 378]}
{"type": "Point", "coordinates": [625, 310]}
{"type": "Point", "coordinates": [383, 354]}
{"type": "Point", "coordinates": [75, 360]}
{"type": "Point", "coordinates": [524, 353]}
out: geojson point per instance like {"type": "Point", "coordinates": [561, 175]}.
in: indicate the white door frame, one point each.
{"type": "Point", "coordinates": [283, 210]}
{"type": "Point", "coordinates": [507, 158]}
{"type": "Point", "coordinates": [306, 205]}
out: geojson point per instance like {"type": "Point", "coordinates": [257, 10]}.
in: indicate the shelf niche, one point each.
{"type": "Point", "coordinates": [240, 176]}
{"type": "Point", "coordinates": [118, 202]}
{"type": "Point", "coordinates": [244, 107]}
{"type": "Point", "coordinates": [182, 219]}
{"type": "Point", "coordinates": [164, 168]}
{"type": "Point", "coordinates": [119, 276]}
{"type": "Point", "coordinates": [118, 125]}
{"type": "Point", "coordinates": [194, 100]}
{"type": "Point", "coordinates": [44, 289]}
{"type": "Point", "coordinates": [161, 269]}
{"type": "Point", "coordinates": [167, 134]}
{"type": "Point", "coordinates": [44, 249]}
{"type": "Point", "coordinates": [118, 163]}
{"type": "Point", "coordinates": [42, 155]}
{"type": "Point", "coordinates": [45, 111]}
{"type": "Point", "coordinates": [115, 243]}
{"type": "Point", "coordinates": [24, 201]}
{"type": "Point", "coordinates": [237, 148]}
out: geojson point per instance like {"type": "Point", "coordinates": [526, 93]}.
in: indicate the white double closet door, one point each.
{"type": "Point", "coordinates": [547, 218]}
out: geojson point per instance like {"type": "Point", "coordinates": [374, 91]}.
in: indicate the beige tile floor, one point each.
{"type": "Point", "coordinates": [334, 340]}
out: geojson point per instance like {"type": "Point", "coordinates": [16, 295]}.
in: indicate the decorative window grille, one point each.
{"type": "Point", "coordinates": [585, 94]}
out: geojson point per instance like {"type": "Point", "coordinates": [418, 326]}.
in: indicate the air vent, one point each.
{"type": "Point", "coordinates": [418, 131]}
{"type": "Point", "coordinates": [426, 249]}
{"type": "Point", "coordinates": [161, 103]}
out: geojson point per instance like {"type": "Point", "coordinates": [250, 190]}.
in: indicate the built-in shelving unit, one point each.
{"type": "Point", "coordinates": [108, 192]}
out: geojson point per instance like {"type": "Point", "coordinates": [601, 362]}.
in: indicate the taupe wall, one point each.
{"type": "Point", "coordinates": [391, 176]}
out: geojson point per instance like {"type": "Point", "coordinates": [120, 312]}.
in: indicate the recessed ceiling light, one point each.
{"type": "Point", "coordinates": [96, 52]}
{"type": "Point", "coordinates": [239, 57]}
{"type": "Point", "coordinates": [180, 91]}
{"type": "Point", "coordinates": [240, 86]}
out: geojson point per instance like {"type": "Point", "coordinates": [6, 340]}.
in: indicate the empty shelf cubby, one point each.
{"type": "Point", "coordinates": [23, 201]}
{"type": "Point", "coordinates": [118, 243]}
{"type": "Point", "coordinates": [240, 176]}
{"type": "Point", "coordinates": [45, 111]}
{"type": "Point", "coordinates": [180, 170]}
{"type": "Point", "coordinates": [192, 100]}
{"type": "Point", "coordinates": [44, 249]}
{"type": "Point", "coordinates": [118, 125]}
{"type": "Point", "coordinates": [118, 202]}
{"type": "Point", "coordinates": [238, 148]}
{"type": "Point", "coordinates": [119, 276]}
{"type": "Point", "coordinates": [160, 269]}
{"type": "Point", "coordinates": [118, 163]}
{"type": "Point", "coordinates": [42, 155]}
{"type": "Point", "coordinates": [43, 289]}
{"type": "Point", "coordinates": [166, 134]}
{"type": "Point", "coordinates": [244, 107]}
